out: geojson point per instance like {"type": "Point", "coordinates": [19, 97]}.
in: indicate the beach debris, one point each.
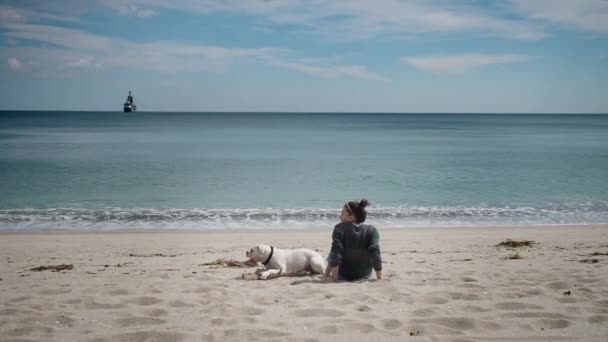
{"type": "Point", "coordinates": [567, 293]}
{"type": "Point", "coordinates": [515, 256]}
{"type": "Point", "coordinates": [222, 262]}
{"type": "Point", "coordinates": [589, 261]}
{"type": "Point", "coordinates": [152, 255]}
{"type": "Point", "coordinates": [467, 259]}
{"type": "Point", "coordinates": [516, 243]}
{"type": "Point", "coordinates": [597, 254]}
{"type": "Point", "coordinates": [56, 268]}
{"type": "Point", "coordinates": [415, 333]}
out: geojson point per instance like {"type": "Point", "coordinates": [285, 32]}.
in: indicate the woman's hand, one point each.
{"type": "Point", "coordinates": [331, 274]}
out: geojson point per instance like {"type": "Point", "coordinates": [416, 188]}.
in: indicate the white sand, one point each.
{"type": "Point", "coordinates": [448, 284]}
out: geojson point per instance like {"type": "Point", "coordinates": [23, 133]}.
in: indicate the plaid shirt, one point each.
{"type": "Point", "coordinates": [356, 249]}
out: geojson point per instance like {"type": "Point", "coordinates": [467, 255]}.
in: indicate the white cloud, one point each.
{"type": "Point", "coordinates": [125, 9]}
{"type": "Point", "coordinates": [14, 63]}
{"type": "Point", "coordinates": [460, 63]}
{"type": "Point", "coordinates": [10, 14]}
{"type": "Point", "coordinates": [362, 18]}
{"type": "Point", "coordinates": [83, 63]}
{"type": "Point", "coordinates": [71, 45]}
{"type": "Point", "coordinates": [585, 15]}
{"type": "Point", "coordinates": [328, 70]}
{"type": "Point", "coordinates": [65, 37]}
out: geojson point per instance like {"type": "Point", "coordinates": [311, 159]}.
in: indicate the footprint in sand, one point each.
{"type": "Point", "coordinates": [156, 312]}
{"type": "Point", "coordinates": [143, 336]}
{"type": "Point", "coordinates": [100, 306]}
{"type": "Point", "coordinates": [553, 323]}
{"type": "Point", "coordinates": [118, 292]}
{"type": "Point", "coordinates": [27, 330]}
{"type": "Point", "coordinates": [602, 303]}
{"type": "Point", "coordinates": [360, 328]}
{"type": "Point", "coordinates": [567, 300]}
{"type": "Point", "coordinates": [558, 285]}
{"type": "Point", "coordinates": [252, 311]}
{"type": "Point", "coordinates": [516, 306]}
{"type": "Point", "coordinates": [144, 300]}
{"type": "Point", "coordinates": [597, 319]}
{"type": "Point", "coordinates": [468, 279]}
{"type": "Point", "coordinates": [391, 324]}
{"type": "Point", "coordinates": [455, 323]}
{"type": "Point", "coordinates": [434, 300]}
{"type": "Point", "coordinates": [218, 321]}
{"type": "Point", "coordinates": [318, 313]}
{"type": "Point", "coordinates": [19, 299]}
{"type": "Point", "coordinates": [46, 320]}
{"type": "Point", "coordinates": [131, 321]}
{"type": "Point", "coordinates": [426, 312]}
{"type": "Point", "coordinates": [474, 308]}
{"type": "Point", "coordinates": [199, 290]}
{"type": "Point", "coordinates": [180, 304]}
{"type": "Point", "coordinates": [463, 296]}
{"type": "Point", "coordinates": [364, 308]}
{"type": "Point", "coordinates": [55, 291]}
{"type": "Point", "coordinates": [263, 334]}
{"type": "Point", "coordinates": [541, 314]}
{"type": "Point", "coordinates": [330, 330]}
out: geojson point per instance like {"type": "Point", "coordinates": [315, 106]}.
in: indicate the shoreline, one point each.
{"type": "Point", "coordinates": [290, 230]}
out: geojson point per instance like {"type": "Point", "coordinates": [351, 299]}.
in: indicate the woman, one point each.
{"type": "Point", "coordinates": [355, 247]}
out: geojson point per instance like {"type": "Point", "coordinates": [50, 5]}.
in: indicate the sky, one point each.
{"type": "Point", "coordinates": [465, 56]}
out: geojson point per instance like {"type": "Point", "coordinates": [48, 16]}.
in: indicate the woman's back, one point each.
{"type": "Point", "coordinates": [356, 249]}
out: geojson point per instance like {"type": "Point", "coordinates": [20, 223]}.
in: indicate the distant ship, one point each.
{"type": "Point", "coordinates": [129, 105]}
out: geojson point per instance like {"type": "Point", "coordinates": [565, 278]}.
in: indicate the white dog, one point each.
{"type": "Point", "coordinates": [285, 262]}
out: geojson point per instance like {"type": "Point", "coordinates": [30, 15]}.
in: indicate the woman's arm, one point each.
{"type": "Point", "coordinates": [374, 250]}
{"type": "Point", "coordinates": [337, 248]}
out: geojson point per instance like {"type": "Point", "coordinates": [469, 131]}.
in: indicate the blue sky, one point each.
{"type": "Point", "coordinates": [296, 55]}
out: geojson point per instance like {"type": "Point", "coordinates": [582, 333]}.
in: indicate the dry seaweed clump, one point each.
{"type": "Point", "coordinates": [56, 268]}
{"type": "Point", "coordinates": [230, 263]}
{"type": "Point", "coordinates": [516, 243]}
{"type": "Point", "coordinates": [515, 256]}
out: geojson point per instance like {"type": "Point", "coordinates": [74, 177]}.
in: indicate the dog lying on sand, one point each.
{"type": "Point", "coordinates": [286, 262]}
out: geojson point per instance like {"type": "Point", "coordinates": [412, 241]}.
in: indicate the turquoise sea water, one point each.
{"type": "Point", "coordinates": [107, 170]}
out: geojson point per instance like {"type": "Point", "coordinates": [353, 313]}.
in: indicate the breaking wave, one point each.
{"type": "Point", "coordinates": [113, 218]}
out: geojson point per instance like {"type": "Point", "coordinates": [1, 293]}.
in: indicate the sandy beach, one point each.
{"type": "Point", "coordinates": [442, 284]}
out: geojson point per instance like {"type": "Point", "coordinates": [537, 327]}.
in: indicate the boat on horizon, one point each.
{"type": "Point", "coordinates": [129, 105]}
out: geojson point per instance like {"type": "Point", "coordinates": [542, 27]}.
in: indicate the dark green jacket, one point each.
{"type": "Point", "coordinates": [356, 249]}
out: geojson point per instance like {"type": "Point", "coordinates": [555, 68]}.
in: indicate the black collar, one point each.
{"type": "Point", "coordinates": [270, 256]}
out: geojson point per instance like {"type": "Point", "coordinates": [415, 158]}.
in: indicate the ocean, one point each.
{"type": "Point", "coordinates": [199, 171]}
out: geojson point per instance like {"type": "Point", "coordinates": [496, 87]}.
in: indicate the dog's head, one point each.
{"type": "Point", "coordinates": [258, 253]}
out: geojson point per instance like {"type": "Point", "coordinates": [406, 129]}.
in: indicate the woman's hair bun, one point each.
{"type": "Point", "coordinates": [363, 203]}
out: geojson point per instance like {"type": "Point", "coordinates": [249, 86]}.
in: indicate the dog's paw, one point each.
{"type": "Point", "coordinates": [264, 275]}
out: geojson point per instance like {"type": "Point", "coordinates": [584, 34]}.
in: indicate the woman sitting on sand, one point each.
{"type": "Point", "coordinates": [355, 247]}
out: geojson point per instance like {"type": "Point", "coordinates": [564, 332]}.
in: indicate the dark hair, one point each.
{"type": "Point", "coordinates": [358, 209]}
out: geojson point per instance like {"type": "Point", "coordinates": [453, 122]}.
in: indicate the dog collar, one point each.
{"type": "Point", "coordinates": [270, 256]}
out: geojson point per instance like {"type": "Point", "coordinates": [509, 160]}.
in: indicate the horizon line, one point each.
{"type": "Point", "coordinates": [301, 112]}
